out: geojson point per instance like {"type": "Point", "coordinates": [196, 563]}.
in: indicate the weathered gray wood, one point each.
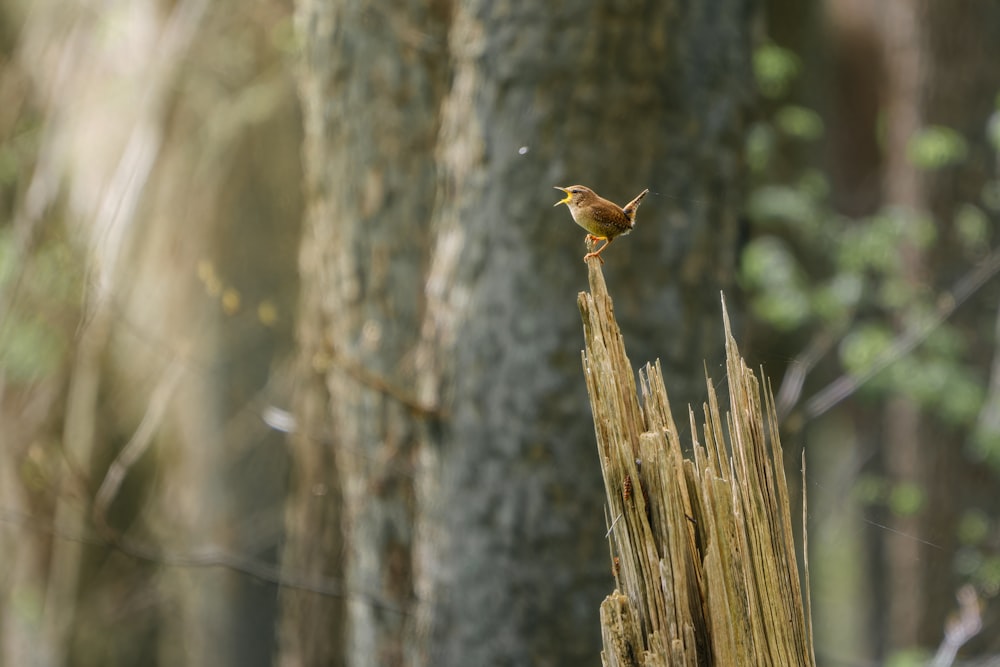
{"type": "Point", "coordinates": [702, 547]}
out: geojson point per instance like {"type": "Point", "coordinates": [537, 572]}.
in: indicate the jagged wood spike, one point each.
{"type": "Point", "coordinates": [706, 563]}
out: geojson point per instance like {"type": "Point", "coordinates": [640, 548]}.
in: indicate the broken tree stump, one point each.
{"type": "Point", "coordinates": [702, 547]}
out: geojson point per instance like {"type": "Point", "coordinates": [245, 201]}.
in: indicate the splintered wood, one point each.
{"type": "Point", "coordinates": [702, 547]}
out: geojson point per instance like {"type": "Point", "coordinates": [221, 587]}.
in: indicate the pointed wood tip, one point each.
{"type": "Point", "coordinates": [725, 316]}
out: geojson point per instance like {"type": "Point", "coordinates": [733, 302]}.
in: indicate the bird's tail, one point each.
{"type": "Point", "coordinates": [631, 207]}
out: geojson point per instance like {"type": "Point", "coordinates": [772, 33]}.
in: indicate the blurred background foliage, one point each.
{"type": "Point", "coordinates": [810, 268]}
{"type": "Point", "coordinates": [858, 306]}
{"type": "Point", "coordinates": [889, 297]}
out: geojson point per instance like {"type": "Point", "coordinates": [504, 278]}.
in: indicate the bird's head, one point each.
{"type": "Point", "coordinates": [576, 196]}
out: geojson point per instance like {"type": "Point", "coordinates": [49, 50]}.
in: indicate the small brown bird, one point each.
{"type": "Point", "coordinates": [603, 219]}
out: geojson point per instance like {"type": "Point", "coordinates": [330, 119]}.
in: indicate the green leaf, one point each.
{"type": "Point", "coordinates": [973, 527]}
{"type": "Point", "coordinates": [814, 183]}
{"type": "Point", "coordinates": [770, 263]}
{"type": "Point", "coordinates": [906, 498]}
{"type": "Point", "coordinates": [988, 575]}
{"type": "Point", "coordinates": [895, 293]}
{"type": "Point", "coordinates": [774, 68]}
{"type": "Point", "coordinates": [838, 297]}
{"type": "Point", "coordinates": [870, 489]}
{"type": "Point", "coordinates": [799, 122]}
{"type": "Point", "coordinates": [784, 310]}
{"type": "Point", "coordinates": [860, 349]}
{"type": "Point", "coordinates": [961, 397]}
{"type": "Point", "coordinates": [874, 244]}
{"type": "Point", "coordinates": [936, 147]}
{"type": "Point", "coordinates": [972, 227]}
{"type": "Point", "coordinates": [779, 202]}
{"type": "Point", "coordinates": [769, 267]}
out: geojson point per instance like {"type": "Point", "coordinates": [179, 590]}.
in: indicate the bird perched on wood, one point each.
{"type": "Point", "coordinates": [601, 218]}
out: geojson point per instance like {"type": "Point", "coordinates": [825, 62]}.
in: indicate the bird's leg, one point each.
{"type": "Point", "coordinates": [590, 238]}
{"type": "Point", "coordinates": [597, 253]}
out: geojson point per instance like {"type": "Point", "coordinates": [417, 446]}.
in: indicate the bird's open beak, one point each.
{"type": "Point", "coordinates": [563, 201]}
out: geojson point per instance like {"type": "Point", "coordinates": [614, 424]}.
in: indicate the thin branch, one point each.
{"type": "Point", "coordinates": [795, 377]}
{"type": "Point", "coordinates": [134, 449]}
{"type": "Point", "coordinates": [112, 538]}
{"type": "Point", "coordinates": [268, 572]}
{"type": "Point", "coordinates": [844, 386]}
{"type": "Point", "coordinates": [373, 380]}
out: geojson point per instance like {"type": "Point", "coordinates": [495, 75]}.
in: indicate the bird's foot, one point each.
{"type": "Point", "coordinates": [593, 254]}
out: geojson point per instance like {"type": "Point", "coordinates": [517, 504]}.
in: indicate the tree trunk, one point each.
{"type": "Point", "coordinates": [904, 440]}
{"type": "Point", "coordinates": [443, 283]}
{"type": "Point", "coordinates": [510, 486]}
{"type": "Point", "coordinates": [372, 83]}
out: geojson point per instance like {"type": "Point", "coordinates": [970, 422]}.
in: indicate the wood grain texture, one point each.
{"type": "Point", "coordinates": [705, 563]}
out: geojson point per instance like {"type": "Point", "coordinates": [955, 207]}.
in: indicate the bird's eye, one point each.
{"type": "Point", "coordinates": [576, 191]}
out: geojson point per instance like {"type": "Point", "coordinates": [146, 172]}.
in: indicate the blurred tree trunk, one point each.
{"type": "Point", "coordinates": [438, 303]}
{"type": "Point", "coordinates": [905, 445]}
{"type": "Point", "coordinates": [374, 75]}
{"type": "Point", "coordinates": [945, 74]}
